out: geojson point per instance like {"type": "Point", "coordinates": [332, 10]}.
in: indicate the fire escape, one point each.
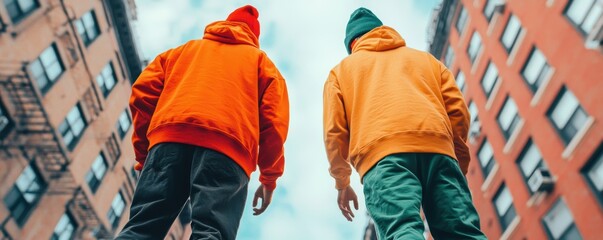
{"type": "Point", "coordinates": [39, 143]}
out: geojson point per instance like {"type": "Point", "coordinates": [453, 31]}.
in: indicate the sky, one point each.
{"type": "Point", "coordinates": [305, 40]}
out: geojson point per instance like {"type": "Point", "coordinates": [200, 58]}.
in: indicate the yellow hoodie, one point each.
{"type": "Point", "coordinates": [386, 98]}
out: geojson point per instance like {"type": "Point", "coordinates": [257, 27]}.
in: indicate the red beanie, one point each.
{"type": "Point", "coordinates": [248, 15]}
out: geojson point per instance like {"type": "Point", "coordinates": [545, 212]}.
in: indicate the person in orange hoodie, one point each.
{"type": "Point", "coordinates": [396, 115]}
{"type": "Point", "coordinates": [205, 114]}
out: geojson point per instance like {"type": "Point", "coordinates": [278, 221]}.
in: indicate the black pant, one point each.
{"type": "Point", "coordinates": [217, 187]}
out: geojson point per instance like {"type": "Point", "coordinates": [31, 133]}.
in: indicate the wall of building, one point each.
{"type": "Point", "coordinates": [575, 66]}
{"type": "Point", "coordinates": [21, 43]}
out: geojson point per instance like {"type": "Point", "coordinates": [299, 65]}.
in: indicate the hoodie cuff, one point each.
{"type": "Point", "coordinates": [269, 185]}
{"type": "Point", "coordinates": [343, 183]}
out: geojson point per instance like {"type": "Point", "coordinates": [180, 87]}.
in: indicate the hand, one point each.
{"type": "Point", "coordinates": [265, 195]}
{"type": "Point", "coordinates": [343, 201]}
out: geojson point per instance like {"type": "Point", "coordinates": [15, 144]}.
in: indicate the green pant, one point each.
{"type": "Point", "coordinates": [397, 186]}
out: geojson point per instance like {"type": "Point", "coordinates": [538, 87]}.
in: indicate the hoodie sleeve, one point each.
{"type": "Point", "coordinates": [145, 94]}
{"type": "Point", "coordinates": [336, 133]}
{"type": "Point", "coordinates": [458, 114]}
{"type": "Point", "coordinates": [274, 123]}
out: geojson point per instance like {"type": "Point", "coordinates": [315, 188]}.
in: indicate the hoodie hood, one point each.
{"type": "Point", "coordinates": [231, 33]}
{"type": "Point", "coordinates": [379, 39]}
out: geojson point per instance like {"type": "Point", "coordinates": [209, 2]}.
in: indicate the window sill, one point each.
{"type": "Point", "coordinates": [477, 60]}
{"type": "Point", "coordinates": [511, 228]}
{"type": "Point", "coordinates": [571, 147]}
{"type": "Point", "coordinates": [519, 41]}
{"type": "Point", "coordinates": [493, 94]}
{"type": "Point", "coordinates": [542, 89]}
{"type": "Point", "coordinates": [490, 177]}
{"type": "Point", "coordinates": [536, 199]}
{"type": "Point", "coordinates": [513, 137]}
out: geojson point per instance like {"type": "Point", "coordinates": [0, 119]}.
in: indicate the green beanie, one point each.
{"type": "Point", "coordinates": [361, 21]}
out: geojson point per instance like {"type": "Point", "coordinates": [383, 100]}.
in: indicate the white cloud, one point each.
{"type": "Point", "coordinates": [305, 40]}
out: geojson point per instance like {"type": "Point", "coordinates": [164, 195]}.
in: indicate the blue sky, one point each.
{"type": "Point", "coordinates": [305, 40]}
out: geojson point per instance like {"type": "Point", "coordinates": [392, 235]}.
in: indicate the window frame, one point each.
{"type": "Point", "coordinates": [496, 79]}
{"type": "Point", "coordinates": [542, 72]}
{"type": "Point", "coordinates": [511, 209]}
{"type": "Point", "coordinates": [464, 22]}
{"type": "Point", "coordinates": [486, 170]}
{"type": "Point", "coordinates": [561, 131]}
{"type": "Point", "coordinates": [85, 35]}
{"type": "Point", "coordinates": [449, 56]}
{"type": "Point", "coordinates": [20, 197]}
{"type": "Point", "coordinates": [71, 221]}
{"type": "Point", "coordinates": [94, 185]}
{"type": "Point", "coordinates": [578, 26]}
{"type": "Point", "coordinates": [489, 18]}
{"type": "Point", "coordinates": [473, 58]}
{"type": "Point", "coordinates": [514, 122]}
{"type": "Point", "coordinates": [76, 138]}
{"type": "Point", "coordinates": [22, 14]}
{"type": "Point", "coordinates": [565, 231]}
{"type": "Point", "coordinates": [7, 120]}
{"type": "Point", "coordinates": [595, 159]}
{"type": "Point", "coordinates": [49, 82]}
{"type": "Point", "coordinates": [517, 33]}
{"type": "Point", "coordinates": [102, 78]}
{"type": "Point", "coordinates": [541, 162]}
{"type": "Point", "coordinates": [112, 212]}
{"type": "Point", "coordinates": [121, 132]}
{"type": "Point", "coordinates": [463, 84]}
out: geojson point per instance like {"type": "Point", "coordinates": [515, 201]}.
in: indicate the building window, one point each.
{"type": "Point", "coordinates": [530, 160]}
{"type": "Point", "coordinates": [535, 69]}
{"type": "Point", "coordinates": [461, 22]}
{"type": "Point", "coordinates": [473, 112]}
{"type": "Point", "coordinates": [559, 223]}
{"type": "Point", "coordinates": [486, 157]}
{"type": "Point", "coordinates": [460, 80]}
{"type": "Point", "coordinates": [490, 79]}
{"type": "Point", "coordinates": [124, 123]}
{"type": "Point", "coordinates": [116, 210]}
{"type": "Point", "coordinates": [475, 45]}
{"type": "Point", "coordinates": [449, 56]}
{"type": "Point", "coordinates": [490, 8]}
{"type": "Point", "coordinates": [593, 172]}
{"type": "Point", "coordinates": [583, 14]}
{"type": "Point", "coordinates": [508, 117]}
{"type": "Point", "coordinates": [106, 79]}
{"type": "Point", "coordinates": [87, 27]}
{"type": "Point", "coordinates": [47, 68]}
{"type": "Point", "coordinates": [5, 122]}
{"type": "Point", "coordinates": [511, 33]}
{"type": "Point", "coordinates": [503, 201]}
{"type": "Point", "coordinates": [567, 115]}
{"type": "Point", "coordinates": [96, 173]}
{"type": "Point", "coordinates": [26, 192]}
{"type": "Point", "coordinates": [65, 228]}
{"type": "Point", "coordinates": [72, 128]}
{"type": "Point", "coordinates": [19, 9]}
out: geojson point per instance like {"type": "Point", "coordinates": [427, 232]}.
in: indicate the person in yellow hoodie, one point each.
{"type": "Point", "coordinates": [396, 115]}
{"type": "Point", "coordinates": [205, 114]}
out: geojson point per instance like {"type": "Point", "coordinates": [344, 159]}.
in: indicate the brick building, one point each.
{"type": "Point", "coordinates": [531, 74]}
{"type": "Point", "coordinates": [66, 157]}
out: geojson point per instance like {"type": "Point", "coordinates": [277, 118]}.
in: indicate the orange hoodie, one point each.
{"type": "Point", "coordinates": [386, 98]}
{"type": "Point", "coordinates": [221, 92]}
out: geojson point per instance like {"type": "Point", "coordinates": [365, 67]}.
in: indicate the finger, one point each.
{"type": "Point", "coordinates": [355, 203]}
{"type": "Point", "coordinates": [255, 200]}
{"type": "Point", "coordinates": [349, 208]}
{"type": "Point", "coordinates": [346, 215]}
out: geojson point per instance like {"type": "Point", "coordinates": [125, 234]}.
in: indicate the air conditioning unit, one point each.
{"type": "Point", "coordinates": [541, 181]}
{"type": "Point", "coordinates": [500, 7]}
